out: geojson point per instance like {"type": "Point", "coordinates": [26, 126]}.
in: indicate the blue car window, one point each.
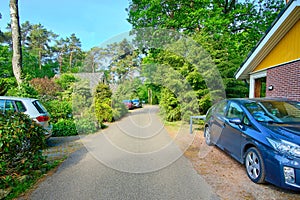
{"type": "Point", "coordinates": [221, 108]}
{"type": "Point", "coordinates": [258, 112]}
{"type": "Point", "coordinates": [235, 111]}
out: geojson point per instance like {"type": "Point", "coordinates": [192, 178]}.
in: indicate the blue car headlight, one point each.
{"type": "Point", "coordinates": [285, 147]}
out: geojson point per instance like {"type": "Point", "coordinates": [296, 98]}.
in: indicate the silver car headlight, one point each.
{"type": "Point", "coordinates": [285, 147]}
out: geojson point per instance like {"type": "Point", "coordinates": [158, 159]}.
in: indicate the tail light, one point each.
{"type": "Point", "coordinates": [43, 118]}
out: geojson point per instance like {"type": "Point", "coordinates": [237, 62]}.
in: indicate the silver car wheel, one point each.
{"type": "Point", "coordinates": [253, 165]}
{"type": "Point", "coordinates": [207, 136]}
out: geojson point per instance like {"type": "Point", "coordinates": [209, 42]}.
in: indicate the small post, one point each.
{"type": "Point", "coordinates": [202, 117]}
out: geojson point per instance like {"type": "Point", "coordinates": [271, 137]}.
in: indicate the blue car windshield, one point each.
{"type": "Point", "coordinates": [275, 111]}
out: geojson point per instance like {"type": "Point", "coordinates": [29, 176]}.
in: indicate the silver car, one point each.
{"type": "Point", "coordinates": [32, 107]}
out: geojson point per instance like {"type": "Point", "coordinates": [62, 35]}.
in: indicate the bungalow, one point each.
{"type": "Point", "coordinates": [272, 69]}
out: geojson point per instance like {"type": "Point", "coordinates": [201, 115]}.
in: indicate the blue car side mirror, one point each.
{"type": "Point", "coordinates": [236, 121]}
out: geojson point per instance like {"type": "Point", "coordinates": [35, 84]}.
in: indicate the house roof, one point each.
{"type": "Point", "coordinates": [279, 28]}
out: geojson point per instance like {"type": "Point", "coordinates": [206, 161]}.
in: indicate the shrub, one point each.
{"type": "Point", "coordinates": [86, 125]}
{"type": "Point", "coordinates": [59, 109]}
{"type": "Point", "coordinates": [5, 84]}
{"type": "Point", "coordinates": [66, 80]}
{"type": "Point", "coordinates": [102, 103]}
{"type": "Point", "coordinates": [45, 87]}
{"type": "Point", "coordinates": [119, 109]}
{"type": "Point", "coordinates": [21, 142]}
{"type": "Point", "coordinates": [170, 106]}
{"type": "Point", "coordinates": [64, 127]}
{"type": "Point", "coordinates": [25, 90]}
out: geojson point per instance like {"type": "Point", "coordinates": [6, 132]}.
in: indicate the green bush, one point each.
{"type": "Point", "coordinates": [102, 103]}
{"type": "Point", "coordinates": [119, 109]}
{"type": "Point", "coordinates": [169, 106]}
{"type": "Point", "coordinates": [21, 144]}
{"type": "Point", "coordinates": [66, 80]}
{"type": "Point", "coordinates": [25, 90]}
{"type": "Point", "coordinates": [64, 127]}
{"type": "Point", "coordinates": [85, 125]}
{"type": "Point", "coordinates": [59, 109]}
{"type": "Point", "coordinates": [5, 84]}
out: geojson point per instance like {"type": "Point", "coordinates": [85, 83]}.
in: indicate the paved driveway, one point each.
{"type": "Point", "coordinates": [132, 159]}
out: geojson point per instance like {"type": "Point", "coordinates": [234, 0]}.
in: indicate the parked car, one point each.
{"type": "Point", "coordinates": [129, 104]}
{"type": "Point", "coordinates": [137, 103]}
{"type": "Point", "coordinates": [32, 107]}
{"type": "Point", "coordinates": [263, 134]}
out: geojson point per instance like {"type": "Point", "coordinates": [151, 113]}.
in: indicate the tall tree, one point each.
{"type": "Point", "coordinates": [39, 41]}
{"type": "Point", "coordinates": [1, 33]}
{"type": "Point", "coordinates": [93, 60]}
{"type": "Point", "coordinates": [227, 29]}
{"type": "Point", "coordinates": [74, 48]}
{"type": "Point", "coordinates": [26, 28]}
{"type": "Point", "coordinates": [60, 49]}
{"type": "Point", "coordinates": [16, 38]}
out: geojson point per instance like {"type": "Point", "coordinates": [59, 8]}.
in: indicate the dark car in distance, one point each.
{"type": "Point", "coordinates": [261, 133]}
{"type": "Point", "coordinates": [137, 103]}
{"type": "Point", "coordinates": [128, 104]}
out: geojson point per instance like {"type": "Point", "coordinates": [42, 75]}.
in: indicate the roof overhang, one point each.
{"type": "Point", "coordinates": [285, 21]}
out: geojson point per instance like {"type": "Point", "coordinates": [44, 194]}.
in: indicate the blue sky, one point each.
{"type": "Point", "coordinates": [93, 21]}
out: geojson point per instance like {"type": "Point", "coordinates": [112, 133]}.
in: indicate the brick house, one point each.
{"type": "Point", "coordinates": [272, 69]}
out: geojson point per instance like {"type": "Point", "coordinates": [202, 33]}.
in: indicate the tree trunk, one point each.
{"type": "Point", "coordinates": [16, 40]}
{"type": "Point", "coordinates": [71, 59]}
{"type": "Point", "coordinates": [40, 59]}
{"type": "Point", "coordinates": [60, 60]}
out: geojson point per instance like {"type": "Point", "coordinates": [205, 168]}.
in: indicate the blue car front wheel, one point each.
{"type": "Point", "coordinates": [255, 165]}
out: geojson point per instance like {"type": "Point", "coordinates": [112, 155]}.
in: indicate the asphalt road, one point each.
{"type": "Point", "coordinates": [132, 159]}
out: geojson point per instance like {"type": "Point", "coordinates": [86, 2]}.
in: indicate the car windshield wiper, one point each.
{"type": "Point", "coordinates": [274, 122]}
{"type": "Point", "coordinates": [271, 122]}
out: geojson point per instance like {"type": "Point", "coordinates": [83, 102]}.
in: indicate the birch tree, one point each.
{"type": "Point", "coordinates": [16, 40]}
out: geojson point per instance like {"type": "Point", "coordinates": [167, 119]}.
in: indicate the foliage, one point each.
{"type": "Point", "coordinates": [205, 103]}
{"type": "Point", "coordinates": [5, 84]}
{"type": "Point", "coordinates": [227, 30]}
{"type": "Point", "coordinates": [30, 70]}
{"type": "Point", "coordinates": [41, 51]}
{"type": "Point", "coordinates": [102, 103]}
{"type": "Point", "coordinates": [169, 106]}
{"type": "Point", "coordinates": [118, 109]}
{"type": "Point", "coordinates": [66, 80]}
{"type": "Point", "coordinates": [38, 41]}
{"type": "Point", "coordinates": [24, 90]}
{"type": "Point", "coordinates": [107, 107]}
{"type": "Point", "coordinates": [59, 110]}
{"type": "Point", "coordinates": [86, 123]}
{"type": "Point", "coordinates": [5, 62]}
{"type": "Point", "coordinates": [64, 127]}
{"type": "Point", "coordinates": [46, 87]}
{"type": "Point", "coordinates": [21, 143]}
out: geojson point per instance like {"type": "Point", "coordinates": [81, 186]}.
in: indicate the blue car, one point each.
{"type": "Point", "coordinates": [263, 134]}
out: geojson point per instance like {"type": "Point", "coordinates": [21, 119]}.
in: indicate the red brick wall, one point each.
{"type": "Point", "coordinates": [285, 80]}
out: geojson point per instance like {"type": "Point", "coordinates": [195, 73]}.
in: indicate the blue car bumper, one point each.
{"type": "Point", "coordinates": [282, 171]}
